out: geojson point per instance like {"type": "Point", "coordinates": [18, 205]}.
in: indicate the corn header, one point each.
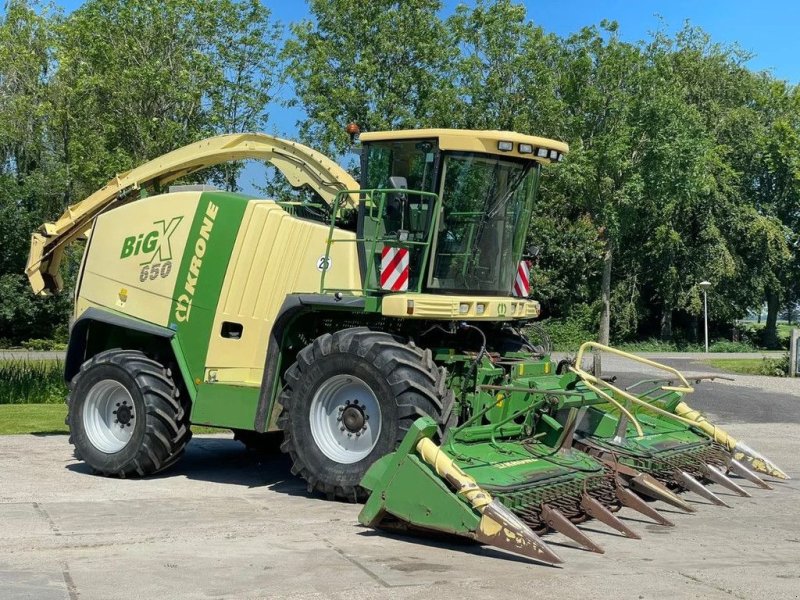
{"type": "Point", "coordinates": [379, 331]}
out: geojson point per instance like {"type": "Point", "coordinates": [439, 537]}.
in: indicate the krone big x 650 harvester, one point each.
{"type": "Point", "coordinates": [378, 330]}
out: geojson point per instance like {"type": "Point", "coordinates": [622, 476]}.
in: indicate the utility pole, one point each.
{"type": "Point", "coordinates": [704, 285]}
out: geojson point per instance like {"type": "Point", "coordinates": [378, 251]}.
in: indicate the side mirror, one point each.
{"type": "Point", "coordinates": [396, 182]}
{"type": "Point", "coordinates": [396, 203]}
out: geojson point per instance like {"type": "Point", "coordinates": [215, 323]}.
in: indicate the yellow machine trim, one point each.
{"type": "Point", "coordinates": [299, 164]}
{"type": "Point", "coordinates": [432, 306]}
{"type": "Point", "coordinates": [714, 432]}
{"type": "Point", "coordinates": [445, 468]}
{"type": "Point", "coordinates": [592, 382]}
{"type": "Point", "coordinates": [465, 140]}
{"type": "Point", "coordinates": [124, 284]}
{"type": "Point", "coordinates": [258, 281]}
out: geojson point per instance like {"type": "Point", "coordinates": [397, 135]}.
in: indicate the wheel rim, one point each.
{"type": "Point", "coordinates": [345, 419]}
{"type": "Point", "coordinates": [108, 416]}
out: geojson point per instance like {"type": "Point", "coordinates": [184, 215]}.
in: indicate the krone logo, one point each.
{"type": "Point", "coordinates": [183, 303]}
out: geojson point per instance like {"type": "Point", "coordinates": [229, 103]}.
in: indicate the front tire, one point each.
{"type": "Point", "coordinates": [349, 399]}
{"type": "Point", "coordinates": [126, 416]}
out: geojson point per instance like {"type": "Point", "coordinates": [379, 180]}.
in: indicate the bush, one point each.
{"type": "Point", "coordinates": [657, 345]}
{"type": "Point", "coordinates": [567, 335]}
{"type": "Point", "coordinates": [753, 333]}
{"type": "Point", "coordinates": [32, 382]}
{"type": "Point", "coordinates": [38, 345]}
{"type": "Point", "coordinates": [728, 346]}
{"type": "Point", "coordinates": [775, 367]}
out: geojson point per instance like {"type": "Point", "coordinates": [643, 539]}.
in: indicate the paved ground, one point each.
{"type": "Point", "coordinates": [226, 523]}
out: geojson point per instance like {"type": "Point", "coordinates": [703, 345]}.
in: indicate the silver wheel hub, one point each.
{"type": "Point", "coordinates": [345, 419]}
{"type": "Point", "coordinates": [109, 416]}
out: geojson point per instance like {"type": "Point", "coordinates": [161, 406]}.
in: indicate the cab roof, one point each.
{"type": "Point", "coordinates": [468, 140]}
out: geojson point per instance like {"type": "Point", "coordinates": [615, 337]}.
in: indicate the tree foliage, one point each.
{"type": "Point", "coordinates": [113, 84]}
{"type": "Point", "coordinates": [684, 163]}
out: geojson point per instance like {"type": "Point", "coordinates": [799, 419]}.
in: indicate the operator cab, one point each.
{"type": "Point", "coordinates": [459, 202]}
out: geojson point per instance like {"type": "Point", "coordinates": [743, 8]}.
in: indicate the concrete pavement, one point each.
{"type": "Point", "coordinates": [228, 523]}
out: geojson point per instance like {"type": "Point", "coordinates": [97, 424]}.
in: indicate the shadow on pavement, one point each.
{"type": "Point", "coordinates": [223, 460]}
{"type": "Point", "coordinates": [454, 543]}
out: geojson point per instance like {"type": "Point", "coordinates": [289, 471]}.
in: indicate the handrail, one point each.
{"type": "Point", "coordinates": [591, 381]}
{"type": "Point", "coordinates": [367, 196]}
{"type": "Point", "coordinates": [686, 388]}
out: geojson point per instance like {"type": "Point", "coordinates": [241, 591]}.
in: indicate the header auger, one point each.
{"type": "Point", "coordinates": [379, 330]}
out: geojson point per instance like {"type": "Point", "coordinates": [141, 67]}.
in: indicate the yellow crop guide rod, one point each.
{"type": "Point", "coordinates": [301, 166]}
{"type": "Point", "coordinates": [740, 452]}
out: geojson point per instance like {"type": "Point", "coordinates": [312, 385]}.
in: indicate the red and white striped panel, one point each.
{"type": "Point", "coordinates": [394, 269]}
{"type": "Point", "coordinates": [522, 282]}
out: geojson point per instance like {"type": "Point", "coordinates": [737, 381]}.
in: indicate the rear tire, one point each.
{"type": "Point", "coordinates": [126, 416]}
{"type": "Point", "coordinates": [349, 399]}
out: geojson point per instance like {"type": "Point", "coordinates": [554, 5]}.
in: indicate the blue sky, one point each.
{"type": "Point", "coordinates": [768, 30]}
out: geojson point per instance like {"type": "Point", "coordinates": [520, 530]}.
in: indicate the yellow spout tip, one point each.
{"type": "Point", "coordinates": [757, 461]}
{"type": "Point", "coordinates": [501, 528]}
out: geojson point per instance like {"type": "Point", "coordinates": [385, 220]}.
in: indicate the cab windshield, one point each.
{"type": "Point", "coordinates": [486, 208]}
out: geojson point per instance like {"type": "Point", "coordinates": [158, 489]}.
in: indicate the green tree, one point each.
{"type": "Point", "coordinates": [28, 193]}
{"type": "Point", "coordinates": [137, 79]}
{"type": "Point", "coordinates": [598, 76]}
{"type": "Point", "coordinates": [111, 85]}
{"type": "Point", "coordinates": [506, 72]}
{"type": "Point", "coordinates": [383, 64]}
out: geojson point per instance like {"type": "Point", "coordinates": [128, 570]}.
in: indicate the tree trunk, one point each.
{"type": "Point", "coordinates": [666, 323]}
{"type": "Point", "coordinates": [771, 328]}
{"type": "Point", "coordinates": [604, 335]}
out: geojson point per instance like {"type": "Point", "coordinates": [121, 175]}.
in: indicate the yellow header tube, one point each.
{"type": "Point", "coordinates": [592, 382]}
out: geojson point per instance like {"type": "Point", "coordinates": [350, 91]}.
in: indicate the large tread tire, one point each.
{"type": "Point", "coordinates": [406, 381]}
{"type": "Point", "coordinates": [158, 439]}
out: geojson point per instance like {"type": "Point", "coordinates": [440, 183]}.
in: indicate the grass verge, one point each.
{"type": "Point", "coordinates": [751, 366]}
{"type": "Point", "coordinates": [48, 419]}
{"type": "Point", "coordinates": [42, 419]}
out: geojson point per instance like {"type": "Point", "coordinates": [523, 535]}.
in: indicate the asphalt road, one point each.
{"type": "Point", "coordinates": [733, 398]}
{"type": "Point", "coordinates": [228, 523]}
